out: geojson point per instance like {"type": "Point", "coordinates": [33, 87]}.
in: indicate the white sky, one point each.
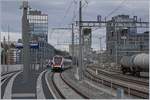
{"type": "Point", "coordinates": [60, 16]}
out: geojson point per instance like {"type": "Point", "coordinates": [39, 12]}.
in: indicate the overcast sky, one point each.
{"type": "Point", "coordinates": [62, 13]}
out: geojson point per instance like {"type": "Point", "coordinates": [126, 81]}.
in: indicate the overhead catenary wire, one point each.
{"type": "Point", "coordinates": [117, 8]}
{"type": "Point", "coordinates": [75, 14]}
{"type": "Point", "coordinates": [113, 11]}
{"type": "Point", "coordinates": [66, 12]}
{"type": "Point", "coordinates": [65, 15]}
{"type": "Point", "coordinates": [74, 11]}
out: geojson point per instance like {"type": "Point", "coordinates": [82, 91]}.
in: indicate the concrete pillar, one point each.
{"type": "Point", "coordinates": [26, 46]}
{"type": "Point", "coordinates": [120, 93]}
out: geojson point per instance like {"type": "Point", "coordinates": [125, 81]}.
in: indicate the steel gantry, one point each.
{"type": "Point", "coordinates": [103, 23]}
{"type": "Point", "coordinates": [137, 24]}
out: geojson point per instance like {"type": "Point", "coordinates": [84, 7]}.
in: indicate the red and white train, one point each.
{"type": "Point", "coordinates": [57, 63]}
{"type": "Point", "coordinates": [60, 63]}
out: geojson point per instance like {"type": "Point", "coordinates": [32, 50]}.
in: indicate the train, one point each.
{"type": "Point", "coordinates": [57, 63]}
{"type": "Point", "coordinates": [60, 63]}
{"type": "Point", "coordinates": [135, 64]}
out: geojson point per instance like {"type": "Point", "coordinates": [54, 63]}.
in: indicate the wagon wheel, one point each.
{"type": "Point", "coordinates": [133, 73]}
{"type": "Point", "coordinates": [124, 71]}
{"type": "Point", "coordinates": [137, 73]}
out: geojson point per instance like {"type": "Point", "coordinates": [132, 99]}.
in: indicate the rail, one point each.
{"type": "Point", "coordinates": [141, 92]}
{"type": "Point", "coordinates": [121, 77]}
{"type": "Point", "coordinates": [54, 84]}
{"type": "Point", "coordinates": [76, 90]}
{"type": "Point", "coordinates": [70, 86]}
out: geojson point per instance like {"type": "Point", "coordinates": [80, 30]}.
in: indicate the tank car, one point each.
{"type": "Point", "coordinates": [135, 64]}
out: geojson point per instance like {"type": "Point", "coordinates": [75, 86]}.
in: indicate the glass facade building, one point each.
{"type": "Point", "coordinates": [38, 28]}
{"type": "Point", "coordinates": [38, 24]}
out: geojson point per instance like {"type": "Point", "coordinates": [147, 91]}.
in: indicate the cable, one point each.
{"type": "Point", "coordinates": [67, 10]}
{"type": "Point", "coordinates": [86, 3]}
{"type": "Point", "coordinates": [118, 7]}
{"type": "Point", "coordinates": [76, 13]}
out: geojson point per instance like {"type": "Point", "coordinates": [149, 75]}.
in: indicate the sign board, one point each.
{"type": "Point", "coordinates": [123, 37]}
{"type": "Point", "coordinates": [32, 45]}
{"type": "Point", "coordinates": [19, 45]}
{"type": "Point", "coordinates": [87, 35]}
{"type": "Point", "coordinates": [86, 31]}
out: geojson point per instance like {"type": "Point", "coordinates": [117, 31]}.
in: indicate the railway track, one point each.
{"type": "Point", "coordinates": [60, 93]}
{"type": "Point", "coordinates": [5, 76]}
{"type": "Point", "coordinates": [129, 88]}
{"type": "Point", "coordinates": [5, 80]}
{"type": "Point", "coordinates": [123, 77]}
{"type": "Point", "coordinates": [57, 89]}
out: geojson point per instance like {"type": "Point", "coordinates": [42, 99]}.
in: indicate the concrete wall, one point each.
{"type": "Point", "coordinates": [9, 68]}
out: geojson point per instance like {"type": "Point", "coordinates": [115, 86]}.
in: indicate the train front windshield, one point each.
{"type": "Point", "coordinates": [58, 60]}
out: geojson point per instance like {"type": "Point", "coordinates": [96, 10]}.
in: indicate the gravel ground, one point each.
{"type": "Point", "coordinates": [90, 91]}
{"type": "Point", "coordinates": [65, 89]}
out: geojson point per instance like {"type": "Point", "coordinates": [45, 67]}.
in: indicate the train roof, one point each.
{"type": "Point", "coordinates": [58, 56]}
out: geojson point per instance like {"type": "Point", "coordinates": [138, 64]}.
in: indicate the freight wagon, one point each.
{"type": "Point", "coordinates": [135, 64]}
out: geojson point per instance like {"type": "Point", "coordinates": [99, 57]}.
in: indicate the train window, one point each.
{"type": "Point", "coordinates": [110, 51]}
{"type": "Point", "coordinates": [141, 47]}
{"type": "Point", "coordinates": [112, 34]}
{"type": "Point", "coordinates": [57, 60]}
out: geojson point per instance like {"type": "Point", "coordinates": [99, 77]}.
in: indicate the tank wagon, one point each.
{"type": "Point", "coordinates": [135, 64]}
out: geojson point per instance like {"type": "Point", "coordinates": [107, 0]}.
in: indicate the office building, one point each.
{"type": "Point", "coordinates": [38, 24]}
{"type": "Point", "coordinates": [8, 52]}
{"type": "Point", "coordinates": [125, 40]}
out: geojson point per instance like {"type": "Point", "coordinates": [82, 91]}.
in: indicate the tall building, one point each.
{"type": "Point", "coordinates": [19, 57]}
{"type": "Point", "coordinates": [11, 54]}
{"type": "Point", "coordinates": [8, 53]}
{"type": "Point", "coordinates": [125, 40]}
{"type": "Point", "coordinates": [38, 24]}
{"type": "Point", "coordinates": [19, 53]}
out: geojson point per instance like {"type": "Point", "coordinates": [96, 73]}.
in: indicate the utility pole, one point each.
{"type": "Point", "coordinates": [8, 55]}
{"type": "Point", "coordinates": [8, 36]}
{"type": "Point", "coordinates": [72, 44]}
{"type": "Point", "coordinates": [116, 43]}
{"type": "Point", "coordinates": [80, 60]}
{"type": "Point", "coordinates": [100, 38]}
{"type": "Point", "coordinates": [25, 38]}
